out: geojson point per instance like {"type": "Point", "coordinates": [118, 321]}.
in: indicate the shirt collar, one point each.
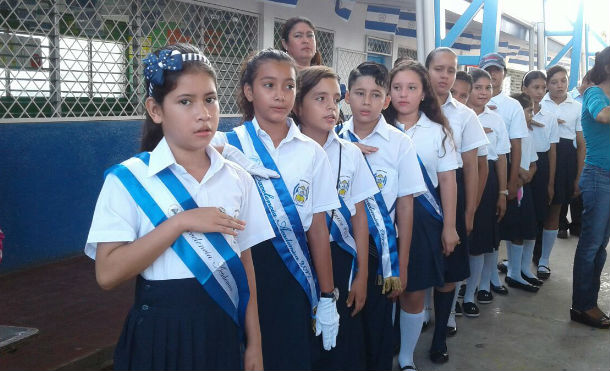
{"type": "Point", "coordinates": [381, 128]}
{"type": "Point", "coordinates": [568, 99]}
{"type": "Point", "coordinates": [293, 130]}
{"type": "Point", "coordinates": [450, 101]}
{"type": "Point", "coordinates": [332, 136]}
{"type": "Point", "coordinates": [162, 157]}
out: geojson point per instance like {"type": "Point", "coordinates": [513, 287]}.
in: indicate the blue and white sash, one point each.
{"type": "Point", "coordinates": [340, 227]}
{"type": "Point", "coordinates": [290, 241]}
{"type": "Point", "coordinates": [383, 231]}
{"type": "Point", "coordinates": [207, 255]}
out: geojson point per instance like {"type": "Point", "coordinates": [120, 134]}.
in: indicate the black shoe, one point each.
{"type": "Point", "coordinates": [425, 326]}
{"type": "Point", "coordinates": [439, 356]}
{"type": "Point", "coordinates": [563, 234]}
{"type": "Point", "coordinates": [471, 310]}
{"type": "Point", "coordinates": [503, 266]}
{"type": "Point", "coordinates": [532, 280]}
{"type": "Point", "coordinates": [484, 297]}
{"type": "Point", "coordinates": [543, 275]}
{"type": "Point", "coordinates": [462, 291]}
{"type": "Point", "coordinates": [451, 331]}
{"type": "Point", "coordinates": [500, 290]}
{"type": "Point", "coordinates": [585, 319]}
{"type": "Point", "coordinates": [408, 367]}
{"type": "Point", "coordinates": [575, 231]}
{"type": "Point", "coordinates": [458, 309]}
{"type": "Point", "coordinates": [523, 286]}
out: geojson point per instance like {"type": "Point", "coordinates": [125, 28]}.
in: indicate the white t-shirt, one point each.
{"type": "Point", "coordinates": [356, 182]}
{"type": "Point", "coordinates": [395, 166]}
{"type": "Point", "coordinates": [468, 133]}
{"type": "Point", "coordinates": [117, 217]}
{"type": "Point", "coordinates": [427, 136]}
{"type": "Point", "coordinates": [303, 166]}
{"type": "Point", "coordinates": [528, 151]}
{"type": "Point", "coordinates": [543, 137]}
{"type": "Point", "coordinates": [512, 113]}
{"type": "Point", "coordinates": [499, 144]}
{"type": "Point", "coordinates": [569, 111]}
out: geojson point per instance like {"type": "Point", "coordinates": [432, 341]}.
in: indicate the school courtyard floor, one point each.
{"type": "Point", "coordinates": [78, 323]}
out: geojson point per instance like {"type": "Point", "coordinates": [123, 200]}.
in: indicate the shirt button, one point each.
{"type": "Point", "coordinates": [145, 307]}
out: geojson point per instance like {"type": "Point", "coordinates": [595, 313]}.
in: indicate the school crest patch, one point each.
{"type": "Point", "coordinates": [381, 178]}
{"type": "Point", "coordinates": [344, 183]}
{"type": "Point", "coordinates": [300, 193]}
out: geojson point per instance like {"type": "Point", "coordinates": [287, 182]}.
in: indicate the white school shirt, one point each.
{"type": "Point", "coordinates": [468, 133]}
{"type": "Point", "coordinates": [512, 113]}
{"type": "Point", "coordinates": [117, 217]}
{"type": "Point", "coordinates": [302, 163]}
{"type": "Point", "coordinates": [427, 136]}
{"type": "Point", "coordinates": [569, 111]}
{"type": "Point", "coordinates": [543, 137]}
{"type": "Point", "coordinates": [395, 166]}
{"type": "Point", "coordinates": [528, 151]}
{"type": "Point", "coordinates": [356, 182]}
{"type": "Point", "coordinates": [499, 144]}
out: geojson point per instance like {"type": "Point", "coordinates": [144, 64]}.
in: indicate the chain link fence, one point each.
{"type": "Point", "coordinates": [82, 58]}
{"type": "Point", "coordinates": [325, 41]}
{"type": "Point", "coordinates": [347, 60]}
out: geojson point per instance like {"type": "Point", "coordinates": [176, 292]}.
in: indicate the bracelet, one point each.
{"type": "Point", "coordinates": [504, 192]}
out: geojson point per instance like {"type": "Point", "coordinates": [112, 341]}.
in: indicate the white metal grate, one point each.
{"type": "Point", "coordinates": [347, 60]}
{"type": "Point", "coordinates": [82, 58]}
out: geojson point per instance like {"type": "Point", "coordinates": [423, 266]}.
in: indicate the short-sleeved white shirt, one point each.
{"type": "Point", "coordinates": [499, 144]}
{"type": "Point", "coordinates": [468, 133]}
{"type": "Point", "coordinates": [395, 165]}
{"type": "Point", "coordinates": [528, 151]}
{"type": "Point", "coordinates": [355, 182]}
{"type": "Point", "coordinates": [543, 137]}
{"type": "Point", "coordinates": [117, 217]}
{"type": "Point", "coordinates": [512, 113]}
{"type": "Point", "coordinates": [569, 111]}
{"type": "Point", "coordinates": [303, 166]}
{"type": "Point", "coordinates": [427, 136]}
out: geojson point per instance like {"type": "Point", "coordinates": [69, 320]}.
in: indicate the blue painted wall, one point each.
{"type": "Point", "coordinates": [50, 176]}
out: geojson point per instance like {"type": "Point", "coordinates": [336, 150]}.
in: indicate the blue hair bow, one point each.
{"type": "Point", "coordinates": [155, 66]}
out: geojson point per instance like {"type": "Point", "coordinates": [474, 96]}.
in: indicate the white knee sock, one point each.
{"type": "Point", "coordinates": [508, 246]}
{"type": "Point", "coordinates": [514, 263]}
{"type": "Point", "coordinates": [451, 321]}
{"type": "Point", "coordinates": [489, 265]}
{"type": "Point", "coordinates": [526, 259]}
{"type": "Point", "coordinates": [476, 266]}
{"type": "Point", "coordinates": [410, 328]}
{"type": "Point", "coordinates": [548, 240]}
{"type": "Point", "coordinates": [494, 276]}
{"type": "Point", "coordinates": [428, 304]}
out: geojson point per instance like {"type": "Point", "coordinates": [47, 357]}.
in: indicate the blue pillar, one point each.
{"type": "Point", "coordinates": [576, 47]}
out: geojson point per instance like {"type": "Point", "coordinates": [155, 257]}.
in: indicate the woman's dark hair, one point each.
{"type": "Point", "coordinates": [316, 60]}
{"type": "Point", "coordinates": [531, 76]}
{"type": "Point", "coordinates": [524, 100]}
{"type": "Point", "coordinates": [249, 68]}
{"type": "Point", "coordinates": [478, 73]}
{"type": "Point", "coordinates": [307, 79]}
{"type": "Point", "coordinates": [429, 105]}
{"type": "Point", "coordinates": [432, 55]}
{"type": "Point", "coordinates": [153, 133]}
{"type": "Point", "coordinates": [463, 76]}
{"type": "Point", "coordinates": [599, 73]}
{"type": "Point", "coordinates": [377, 71]}
{"type": "Point", "coordinates": [553, 70]}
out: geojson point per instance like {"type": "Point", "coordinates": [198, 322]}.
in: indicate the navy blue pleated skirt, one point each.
{"type": "Point", "coordinates": [457, 266]}
{"type": "Point", "coordinates": [539, 185]}
{"type": "Point", "coordinates": [485, 236]}
{"type": "Point", "coordinates": [349, 354]}
{"type": "Point", "coordinates": [519, 222]}
{"type": "Point", "coordinates": [287, 335]}
{"type": "Point", "coordinates": [176, 325]}
{"type": "Point", "coordinates": [426, 263]}
{"type": "Point", "coordinates": [565, 172]}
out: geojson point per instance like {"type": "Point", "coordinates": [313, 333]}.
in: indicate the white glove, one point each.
{"type": "Point", "coordinates": [327, 322]}
{"type": "Point", "coordinates": [231, 153]}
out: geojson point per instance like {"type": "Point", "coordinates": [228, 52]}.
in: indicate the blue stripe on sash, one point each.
{"type": "Point", "coordinates": [389, 225]}
{"type": "Point", "coordinates": [234, 140]}
{"type": "Point", "coordinates": [293, 216]}
{"type": "Point", "coordinates": [424, 201]}
{"type": "Point", "coordinates": [336, 233]}
{"type": "Point", "coordinates": [182, 247]}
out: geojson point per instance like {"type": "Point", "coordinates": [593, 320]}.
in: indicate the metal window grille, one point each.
{"type": "Point", "coordinates": [325, 41]}
{"type": "Point", "coordinates": [405, 52]}
{"type": "Point", "coordinates": [82, 58]}
{"type": "Point", "coordinates": [347, 60]}
{"type": "Point", "coordinates": [378, 46]}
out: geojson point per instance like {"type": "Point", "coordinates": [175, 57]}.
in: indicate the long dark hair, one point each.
{"type": "Point", "coordinates": [153, 133]}
{"type": "Point", "coordinates": [429, 105]}
{"type": "Point", "coordinates": [531, 76]}
{"type": "Point", "coordinates": [316, 60]}
{"type": "Point", "coordinates": [441, 49]}
{"type": "Point", "coordinates": [307, 79]}
{"type": "Point", "coordinates": [602, 60]}
{"type": "Point", "coordinates": [249, 68]}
